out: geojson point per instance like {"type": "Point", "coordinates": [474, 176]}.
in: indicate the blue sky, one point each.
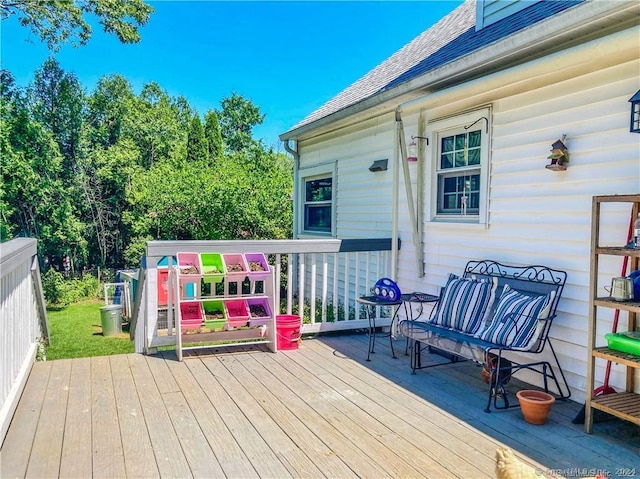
{"type": "Point", "coordinates": [287, 57]}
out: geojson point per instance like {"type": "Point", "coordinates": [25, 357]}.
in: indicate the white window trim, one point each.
{"type": "Point", "coordinates": [305, 174]}
{"type": "Point", "coordinates": [433, 128]}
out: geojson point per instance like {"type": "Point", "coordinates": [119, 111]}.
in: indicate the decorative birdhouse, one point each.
{"type": "Point", "coordinates": [634, 126]}
{"type": "Point", "coordinates": [559, 155]}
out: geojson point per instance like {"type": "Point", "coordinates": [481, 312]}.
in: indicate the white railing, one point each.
{"type": "Point", "coordinates": [23, 321]}
{"type": "Point", "coordinates": [329, 274]}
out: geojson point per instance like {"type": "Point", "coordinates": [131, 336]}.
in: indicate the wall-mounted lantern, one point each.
{"type": "Point", "coordinates": [634, 126]}
{"type": "Point", "coordinates": [559, 155]}
{"type": "Point", "coordinates": [379, 165]}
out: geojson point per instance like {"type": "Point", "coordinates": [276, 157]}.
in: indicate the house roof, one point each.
{"type": "Point", "coordinates": [453, 37]}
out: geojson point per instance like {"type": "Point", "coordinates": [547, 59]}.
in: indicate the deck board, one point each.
{"type": "Point", "coordinates": [319, 411]}
{"type": "Point", "coordinates": [311, 408]}
{"type": "Point", "coordinates": [380, 421]}
{"type": "Point", "coordinates": [139, 459]}
{"type": "Point", "coordinates": [251, 402]}
{"type": "Point", "coordinates": [269, 389]}
{"type": "Point", "coordinates": [559, 444]}
{"type": "Point", "coordinates": [229, 454]}
{"type": "Point", "coordinates": [108, 452]}
{"type": "Point", "coordinates": [16, 448]}
{"type": "Point", "coordinates": [448, 442]}
{"type": "Point", "coordinates": [170, 459]}
{"type": "Point", "coordinates": [260, 455]}
{"type": "Point", "coordinates": [76, 447]}
{"type": "Point", "coordinates": [47, 444]}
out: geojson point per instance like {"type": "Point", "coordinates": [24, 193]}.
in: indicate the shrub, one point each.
{"type": "Point", "coordinates": [62, 292]}
{"type": "Point", "coordinates": [331, 317]}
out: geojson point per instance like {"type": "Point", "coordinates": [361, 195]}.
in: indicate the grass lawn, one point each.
{"type": "Point", "coordinates": [76, 332]}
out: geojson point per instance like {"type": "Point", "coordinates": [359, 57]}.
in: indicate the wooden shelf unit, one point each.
{"type": "Point", "coordinates": [624, 405]}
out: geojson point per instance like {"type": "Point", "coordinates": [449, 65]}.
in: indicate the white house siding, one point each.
{"type": "Point", "coordinates": [362, 201]}
{"type": "Point", "coordinates": [535, 216]}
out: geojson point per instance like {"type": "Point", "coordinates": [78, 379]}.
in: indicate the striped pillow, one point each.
{"type": "Point", "coordinates": [515, 322]}
{"type": "Point", "coordinates": [465, 304]}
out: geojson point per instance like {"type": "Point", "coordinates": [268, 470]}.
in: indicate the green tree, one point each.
{"type": "Point", "coordinates": [38, 203]}
{"type": "Point", "coordinates": [7, 95]}
{"type": "Point", "coordinates": [247, 196]}
{"type": "Point", "coordinates": [158, 125]}
{"type": "Point", "coordinates": [103, 178]}
{"type": "Point", "coordinates": [56, 22]}
{"type": "Point", "coordinates": [57, 103]}
{"type": "Point", "coordinates": [213, 135]}
{"type": "Point", "coordinates": [196, 143]}
{"type": "Point", "coordinates": [108, 107]}
{"type": "Point", "coordinates": [237, 119]}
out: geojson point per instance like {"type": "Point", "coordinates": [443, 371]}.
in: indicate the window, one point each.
{"type": "Point", "coordinates": [460, 166]}
{"type": "Point", "coordinates": [318, 194]}
{"type": "Point", "coordinates": [459, 173]}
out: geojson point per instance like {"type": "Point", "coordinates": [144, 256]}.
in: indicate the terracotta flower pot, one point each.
{"type": "Point", "coordinates": [535, 405]}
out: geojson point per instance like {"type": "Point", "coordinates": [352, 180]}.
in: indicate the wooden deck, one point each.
{"type": "Point", "coordinates": [319, 411]}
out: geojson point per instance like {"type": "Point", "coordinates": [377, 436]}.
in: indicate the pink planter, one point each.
{"type": "Point", "coordinates": [235, 267]}
{"type": "Point", "coordinates": [237, 312]}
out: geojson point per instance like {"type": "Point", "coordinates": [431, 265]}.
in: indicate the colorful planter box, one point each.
{"type": "Point", "coordinates": [212, 267]}
{"type": "Point", "coordinates": [237, 312]}
{"type": "Point", "coordinates": [258, 268]}
{"type": "Point", "coordinates": [235, 267]}
{"type": "Point", "coordinates": [189, 268]}
{"type": "Point", "coordinates": [191, 315]}
{"type": "Point", "coordinates": [190, 325]}
{"type": "Point", "coordinates": [214, 314]}
{"type": "Point", "coordinates": [259, 311]}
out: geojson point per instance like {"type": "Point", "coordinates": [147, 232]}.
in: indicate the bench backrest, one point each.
{"type": "Point", "coordinates": [533, 280]}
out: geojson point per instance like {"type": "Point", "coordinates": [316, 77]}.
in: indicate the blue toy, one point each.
{"type": "Point", "coordinates": [387, 289]}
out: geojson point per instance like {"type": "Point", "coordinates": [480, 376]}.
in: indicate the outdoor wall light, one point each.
{"type": "Point", "coordinates": [634, 126]}
{"type": "Point", "coordinates": [379, 165]}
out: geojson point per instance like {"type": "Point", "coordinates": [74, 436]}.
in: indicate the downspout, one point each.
{"type": "Point", "coordinates": [394, 206]}
{"type": "Point", "coordinates": [402, 147]}
{"type": "Point", "coordinates": [293, 268]}
{"type": "Point", "coordinates": [296, 165]}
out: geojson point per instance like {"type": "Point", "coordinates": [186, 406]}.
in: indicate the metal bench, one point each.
{"type": "Point", "coordinates": [535, 286]}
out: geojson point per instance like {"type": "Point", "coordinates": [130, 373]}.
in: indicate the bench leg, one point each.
{"type": "Point", "coordinates": [566, 394]}
{"type": "Point", "coordinates": [415, 356]}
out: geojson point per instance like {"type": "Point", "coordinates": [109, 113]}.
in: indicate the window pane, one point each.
{"type": "Point", "coordinates": [450, 185]}
{"type": "Point", "coordinates": [460, 159]}
{"type": "Point", "coordinates": [446, 161]}
{"type": "Point", "coordinates": [318, 190]}
{"type": "Point", "coordinates": [317, 218]}
{"type": "Point", "coordinates": [474, 156]}
{"type": "Point", "coordinates": [460, 142]}
{"type": "Point", "coordinates": [474, 139]}
{"type": "Point", "coordinates": [452, 191]}
{"type": "Point", "coordinates": [447, 144]}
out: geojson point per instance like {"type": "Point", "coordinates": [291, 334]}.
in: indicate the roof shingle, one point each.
{"type": "Point", "coordinates": [449, 39]}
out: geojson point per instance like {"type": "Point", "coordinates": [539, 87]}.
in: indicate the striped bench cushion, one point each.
{"type": "Point", "coordinates": [516, 321]}
{"type": "Point", "coordinates": [465, 304]}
